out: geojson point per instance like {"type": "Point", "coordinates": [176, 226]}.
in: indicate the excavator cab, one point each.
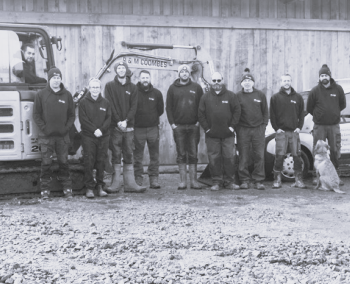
{"type": "Point", "coordinates": [26, 56]}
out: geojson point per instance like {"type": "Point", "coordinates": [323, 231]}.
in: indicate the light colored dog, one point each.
{"type": "Point", "coordinates": [327, 177]}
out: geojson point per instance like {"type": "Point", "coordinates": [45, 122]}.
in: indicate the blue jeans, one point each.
{"type": "Point", "coordinates": [186, 137]}
{"type": "Point", "coordinates": [121, 143]}
{"type": "Point", "coordinates": [151, 136]}
{"type": "Point", "coordinates": [95, 153]}
{"type": "Point", "coordinates": [49, 145]}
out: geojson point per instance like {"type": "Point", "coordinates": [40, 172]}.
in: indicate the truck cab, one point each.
{"type": "Point", "coordinates": [26, 56]}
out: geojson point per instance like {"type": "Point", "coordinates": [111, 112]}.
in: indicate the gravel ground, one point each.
{"type": "Point", "coordinates": [169, 236]}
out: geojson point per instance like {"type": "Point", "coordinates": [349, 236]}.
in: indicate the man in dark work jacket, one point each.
{"type": "Point", "coordinates": [219, 112]}
{"type": "Point", "coordinates": [182, 110]}
{"type": "Point", "coordinates": [122, 95]}
{"type": "Point", "coordinates": [287, 119]}
{"type": "Point", "coordinates": [251, 132]}
{"type": "Point", "coordinates": [325, 102]}
{"type": "Point", "coordinates": [54, 114]}
{"type": "Point", "coordinates": [150, 106]}
{"type": "Point", "coordinates": [95, 118]}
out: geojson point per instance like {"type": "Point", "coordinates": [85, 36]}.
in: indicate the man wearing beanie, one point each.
{"type": "Point", "coordinates": [150, 106]}
{"type": "Point", "coordinates": [287, 118]}
{"type": "Point", "coordinates": [122, 95]}
{"type": "Point", "coordinates": [251, 132]}
{"type": "Point", "coordinates": [95, 118]}
{"type": "Point", "coordinates": [54, 114]}
{"type": "Point", "coordinates": [182, 110]}
{"type": "Point", "coordinates": [325, 102]}
{"type": "Point", "coordinates": [219, 113]}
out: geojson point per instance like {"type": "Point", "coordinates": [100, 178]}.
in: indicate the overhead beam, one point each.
{"type": "Point", "coordinates": [173, 21]}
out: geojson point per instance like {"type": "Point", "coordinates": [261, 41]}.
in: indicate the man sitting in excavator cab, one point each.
{"type": "Point", "coordinates": [26, 69]}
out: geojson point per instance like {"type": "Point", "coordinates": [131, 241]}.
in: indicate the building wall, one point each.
{"type": "Point", "coordinates": [268, 36]}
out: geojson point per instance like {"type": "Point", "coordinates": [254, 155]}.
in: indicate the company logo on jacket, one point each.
{"type": "Point", "coordinates": [294, 102]}
{"type": "Point", "coordinates": [193, 92]}
{"type": "Point", "coordinates": [151, 99]}
{"type": "Point", "coordinates": [60, 101]}
{"type": "Point", "coordinates": [255, 100]}
{"type": "Point", "coordinates": [101, 108]}
{"type": "Point", "coordinates": [333, 95]}
{"type": "Point", "coordinates": [127, 92]}
{"type": "Point", "coordinates": [225, 102]}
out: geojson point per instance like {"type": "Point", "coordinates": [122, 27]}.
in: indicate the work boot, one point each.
{"type": "Point", "coordinates": [153, 182]}
{"type": "Point", "coordinates": [100, 191]}
{"type": "Point", "coordinates": [258, 185]}
{"type": "Point", "coordinates": [298, 180]}
{"type": "Point", "coordinates": [89, 193]}
{"type": "Point", "coordinates": [193, 176]}
{"type": "Point", "coordinates": [277, 183]}
{"type": "Point", "coordinates": [340, 181]}
{"type": "Point", "coordinates": [45, 194]}
{"type": "Point", "coordinates": [183, 176]}
{"type": "Point", "coordinates": [129, 180]}
{"type": "Point", "coordinates": [68, 193]}
{"type": "Point", "coordinates": [139, 180]}
{"type": "Point", "coordinates": [244, 185]}
{"type": "Point", "coordinates": [215, 187]}
{"type": "Point", "coordinates": [115, 185]}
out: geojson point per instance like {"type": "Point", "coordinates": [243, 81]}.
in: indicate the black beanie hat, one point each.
{"type": "Point", "coordinates": [54, 71]}
{"type": "Point", "coordinates": [247, 75]}
{"type": "Point", "coordinates": [121, 63]}
{"type": "Point", "coordinates": [325, 70]}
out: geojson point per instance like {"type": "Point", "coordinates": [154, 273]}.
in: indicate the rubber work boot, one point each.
{"type": "Point", "coordinates": [183, 177]}
{"type": "Point", "coordinates": [153, 182]}
{"type": "Point", "coordinates": [129, 180]}
{"type": "Point", "coordinates": [298, 180]}
{"type": "Point", "coordinates": [100, 191]}
{"type": "Point", "coordinates": [139, 180]}
{"type": "Point", "coordinates": [89, 193]}
{"type": "Point", "coordinates": [277, 183]}
{"type": "Point", "coordinates": [68, 193]}
{"type": "Point", "coordinates": [193, 176]}
{"type": "Point", "coordinates": [115, 185]}
{"type": "Point", "coordinates": [215, 187]}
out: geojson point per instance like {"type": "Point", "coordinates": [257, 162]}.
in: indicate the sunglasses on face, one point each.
{"type": "Point", "coordinates": [218, 80]}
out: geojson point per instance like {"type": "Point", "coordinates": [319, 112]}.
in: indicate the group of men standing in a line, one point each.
{"type": "Point", "coordinates": [128, 117]}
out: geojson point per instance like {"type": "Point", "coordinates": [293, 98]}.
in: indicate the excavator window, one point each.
{"type": "Point", "coordinates": [23, 58]}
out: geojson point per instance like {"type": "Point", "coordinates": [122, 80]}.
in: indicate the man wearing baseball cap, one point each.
{"type": "Point", "coordinates": [122, 95]}
{"type": "Point", "coordinates": [54, 114]}
{"type": "Point", "coordinates": [182, 110]}
{"type": "Point", "coordinates": [251, 132]}
{"type": "Point", "coordinates": [325, 102]}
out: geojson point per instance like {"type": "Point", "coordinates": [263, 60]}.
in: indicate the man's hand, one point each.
{"type": "Point", "coordinates": [280, 131]}
{"type": "Point", "coordinates": [207, 131]}
{"type": "Point", "coordinates": [231, 129]}
{"type": "Point", "coordinates": [297, 130]}
{"type": "Point", "coordinates": [122, 124]}
{"type": "Point", "coordinates": [197, 124]}
{"type": "Point", "coordinates": [98, 133]}
{"type": "Point", "coordinates": [173, 126]}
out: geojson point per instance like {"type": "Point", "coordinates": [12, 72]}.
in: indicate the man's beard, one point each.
{"type": "Point", "coordinates": [217, 87]}
{"type": "Point", "coordinates": [184, 80]}
{"type": "Point", "coordinates": [325, 81]}
{"type": "Point", "coordinates": [145, 87]}
{"type": "Point", "coordinates": [121, 77]}
{"type": "Point", "coordinates": [284, 87]}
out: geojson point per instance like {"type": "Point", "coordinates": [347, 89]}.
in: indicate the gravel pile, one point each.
{"type": "Point", "coordinates": [69, 242]}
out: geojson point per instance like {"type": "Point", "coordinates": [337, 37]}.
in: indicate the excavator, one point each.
{"type": "Point", "coordinates": [23, 75]}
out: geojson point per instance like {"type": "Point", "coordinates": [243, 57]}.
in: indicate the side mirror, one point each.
{"type": "Point", "coordinates": [57, 41]}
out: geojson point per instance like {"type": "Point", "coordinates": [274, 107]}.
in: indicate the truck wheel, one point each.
{"type": "Point", "coordinates": [288, 163]}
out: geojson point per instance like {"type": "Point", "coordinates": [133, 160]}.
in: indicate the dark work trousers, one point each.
{"type": "Point", "coordinates": [251, 142]}
{"type": "Point", "coordinates": [95, 153]}
{"type": "Point", "coordinates": [284, 141]}
{"type": "Point", "coordinates": [221, 155]}
{"type": "Point", "coordinates": [121, 143]}
{"type": "Point", "coordinates": [186, 137]}
{"type": "Point", "coordinates": [151, 136]}
{"type": "Point", "coordinates": [332, 134]}
{"type": "Point", "coordinates": [49, 145]}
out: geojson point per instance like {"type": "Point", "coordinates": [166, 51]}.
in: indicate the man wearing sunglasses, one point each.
{"type": "Point", "coordinates": [251, 132]}
{"type": "Point", "coordinates": [182, 110]}
{"type": "Point", "coordinates": [219, 112]}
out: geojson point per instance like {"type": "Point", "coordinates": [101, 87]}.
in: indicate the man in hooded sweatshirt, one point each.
{"type": "Point", "coordinates": [122, 95]}
{"type": "Point", "coordinates": [150, 106]}
{"type": "Point", "coordinates": [95, 118]}
{"type": "Point", "coordinates": [287, 119]}
{"type": "Point", "coordinates": [325, 102]}
{"type": "Point", "coordinates": [219, 113]}
{"type": "Point", "coordinates": [182, 110]}
{"type": "Point", "coordinates": [54, 114]}
{"type": "Point", "coordinates": [251, 132]}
